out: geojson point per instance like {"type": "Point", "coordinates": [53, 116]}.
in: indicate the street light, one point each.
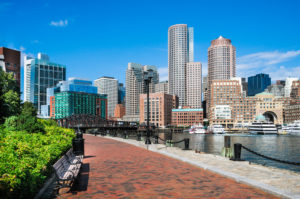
{"type": "Point", "coordinates": [147, 78]}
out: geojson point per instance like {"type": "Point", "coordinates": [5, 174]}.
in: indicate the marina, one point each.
{"type": "Point", "coordinates": [284, 147]}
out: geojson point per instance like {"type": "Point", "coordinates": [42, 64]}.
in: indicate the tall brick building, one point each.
{"type": "Point", "coordinates": [10, 62]}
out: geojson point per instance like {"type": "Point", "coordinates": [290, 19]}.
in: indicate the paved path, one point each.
{"type": "Point", "coordinates": [114, 169]}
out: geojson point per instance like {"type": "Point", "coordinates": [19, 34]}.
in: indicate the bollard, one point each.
{"type": "Point", "coordinates": [186, 144]}
{"type": "Point", "coordinates": [139, 136]}
{"type": "Point", "coordinates": [237, 152]}
{"type": "Point", "coordinates": [125, 135]}
{"type": "Point", "coordinates": [156, 139]}
{"type": "Point", "coordinates": [227, 141]}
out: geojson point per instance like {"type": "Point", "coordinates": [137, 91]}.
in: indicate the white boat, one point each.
{"type": "Point", "coordinates": [284, 130]}
{"type": "Point", "coordinates": [198, 129]}
{"type": "Point", "coordinates": [295, 128]}
{"type": "Point", "coordinates": [262, 127]}
{"type": "Point", "coordinates": [217, 128]}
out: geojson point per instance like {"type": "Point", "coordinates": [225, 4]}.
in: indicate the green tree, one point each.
{"type": "Point", "coordinates": [9, 96]}
{"type": "Point", "coordinates": [28, 109]}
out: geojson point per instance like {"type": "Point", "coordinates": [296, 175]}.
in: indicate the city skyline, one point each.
{"type": "Point", "coordinates": [68, 35]}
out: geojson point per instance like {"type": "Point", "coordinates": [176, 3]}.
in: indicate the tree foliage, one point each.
{"type": "Point", "coordinates": [9, 96]}
{"type": "Point", "coordinates": [26, 121]}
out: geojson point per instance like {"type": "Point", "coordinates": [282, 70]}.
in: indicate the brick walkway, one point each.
{"type": "Point", "coordinates": [114, 169]}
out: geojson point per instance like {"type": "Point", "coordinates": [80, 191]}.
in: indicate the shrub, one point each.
{"type": "Point", "coordinates": [26, 158]}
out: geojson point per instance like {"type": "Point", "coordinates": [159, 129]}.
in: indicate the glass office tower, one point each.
{"type": "Point", "coordinates": [40, 74]}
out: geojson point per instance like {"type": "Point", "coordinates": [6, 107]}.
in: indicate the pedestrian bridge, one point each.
{"type": "Point", "coordinates": [84, 122]}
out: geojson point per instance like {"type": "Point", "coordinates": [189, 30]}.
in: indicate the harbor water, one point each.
{"type": "Point", "coordinates": [283, 147]}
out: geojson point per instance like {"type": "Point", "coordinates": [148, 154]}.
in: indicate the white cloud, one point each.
{"type": "Point", "coordinates": [163, 73]}
{"type": "Point", "coordinates": [35, 41]}
{"type": "Point", "coordinates": [282, 72]}
{"type": "Point", "coordinates": [261, 59]}
{"type": "Point", "coordinates": [266, 62]}
{"type": "Point", "coordinates": [60, 23]}
{"type": "Point", "coordinates": [22, 48]}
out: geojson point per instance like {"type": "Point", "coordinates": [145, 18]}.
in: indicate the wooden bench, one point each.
{"type": "Point", "coordinates": [67, 169]}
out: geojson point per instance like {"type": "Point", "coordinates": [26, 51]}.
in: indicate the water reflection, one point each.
{"type": "Point", "coordinates": [284, 147]}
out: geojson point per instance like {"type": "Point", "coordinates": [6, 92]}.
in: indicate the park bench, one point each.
{"type": "Point", "coordinates": [67, 169]}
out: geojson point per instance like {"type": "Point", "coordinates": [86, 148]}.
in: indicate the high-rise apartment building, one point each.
{"type": "Point", "coordinates": [40, 74]}
{"type": "Point", "coordinates": [194, 84]}
{"type": "Point", "coordinates": [221, 60]}
{"type": "Point", "coordinates": [135, 86]}
{"type": "Point", "coordinates": [180, 52]}
{"type": "Point", "coordinates": [110, 87]}
{"type": "Point", "coordinates": [10, 62]}
{"type": "Point", "coordinates": [258, 83]}
{"type": "Point", "coordinates": [162, 87]}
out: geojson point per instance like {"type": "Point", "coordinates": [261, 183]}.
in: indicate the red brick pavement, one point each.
{"type": "Point", "coordinates": [114, 169]}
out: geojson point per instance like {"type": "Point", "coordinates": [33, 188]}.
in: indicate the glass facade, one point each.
{"type": "Point", "coordinates": [258, 83]}
{"type": "Point", "coordinates": [41, 74]}
{"type": "Point", "coordinates": [72, 103]}
{"type": "Point", "coordinates": [75, 96]}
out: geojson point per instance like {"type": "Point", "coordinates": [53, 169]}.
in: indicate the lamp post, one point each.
{"type": "Point", "coordinates": [147, 78]}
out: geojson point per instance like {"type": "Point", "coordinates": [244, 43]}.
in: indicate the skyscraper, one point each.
{"type": "Point", "coordinates": [180, 52]}
{"type": "Point", "coordinates": [40, 74]}
{"type": "Point", "coordinates": [10, 62]}
{"type": "Point", "coordinates": [162, 87]}
{"type": "Point", "coordinates": [108, 86]}
{"type": "Point", "coordinates": [194, 84]}
{"type": "Point", "coordinates": [258, 83]}
{"type": "Point", "coordinates": [121, 94]}
{"type": "Point", "coordinates": [135, 86]}
{"type": "Point", "coordinates": [221, 60]}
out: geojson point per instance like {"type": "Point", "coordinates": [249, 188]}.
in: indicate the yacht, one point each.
{"type": "Point", "coordinates": [262, 127]}
{"type": "Point", "coordinates": [218, 128]}
{"type": "Point", "coordinates": [283, 130]}
{"type": "Point", "coordinates": [198, 129]}
{"type": "Point", "coordinates": [295, 128]}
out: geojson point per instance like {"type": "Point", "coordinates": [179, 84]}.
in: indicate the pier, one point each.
{"type": "Point", "coordinates": [114, 169]}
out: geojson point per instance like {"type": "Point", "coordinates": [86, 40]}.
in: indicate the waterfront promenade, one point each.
{"type": "Point", "coordinates": [114, 169]}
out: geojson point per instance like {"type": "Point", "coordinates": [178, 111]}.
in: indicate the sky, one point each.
{"type": "Point", "coordinates": [99, 38]}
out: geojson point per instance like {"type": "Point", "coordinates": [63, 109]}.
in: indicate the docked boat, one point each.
{"type": "Point", "coordinates": [262, 127]}
{"type": "Point", "coordinates": [295, 128]}
{"type": "Point", "coordinates": [284, 130]}
{"type": "Point", "coordinates": [218, 129]}
{"type": "Point", "coordinates": [197, 129]}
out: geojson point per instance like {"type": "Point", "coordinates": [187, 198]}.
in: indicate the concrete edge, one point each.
{"type": "Point", "coordinates": [45, 187]}
{"type": "Point", "coordinates": [230, 175]}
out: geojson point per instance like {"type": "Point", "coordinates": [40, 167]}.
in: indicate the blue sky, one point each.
{"type": "Point", "coordinates": [96, 38]}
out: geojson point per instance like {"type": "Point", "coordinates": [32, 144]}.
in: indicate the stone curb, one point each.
{"type": "Point", "coordinates": [44, 191]}
{"type": "Point", "coordinates": [238, 178]}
